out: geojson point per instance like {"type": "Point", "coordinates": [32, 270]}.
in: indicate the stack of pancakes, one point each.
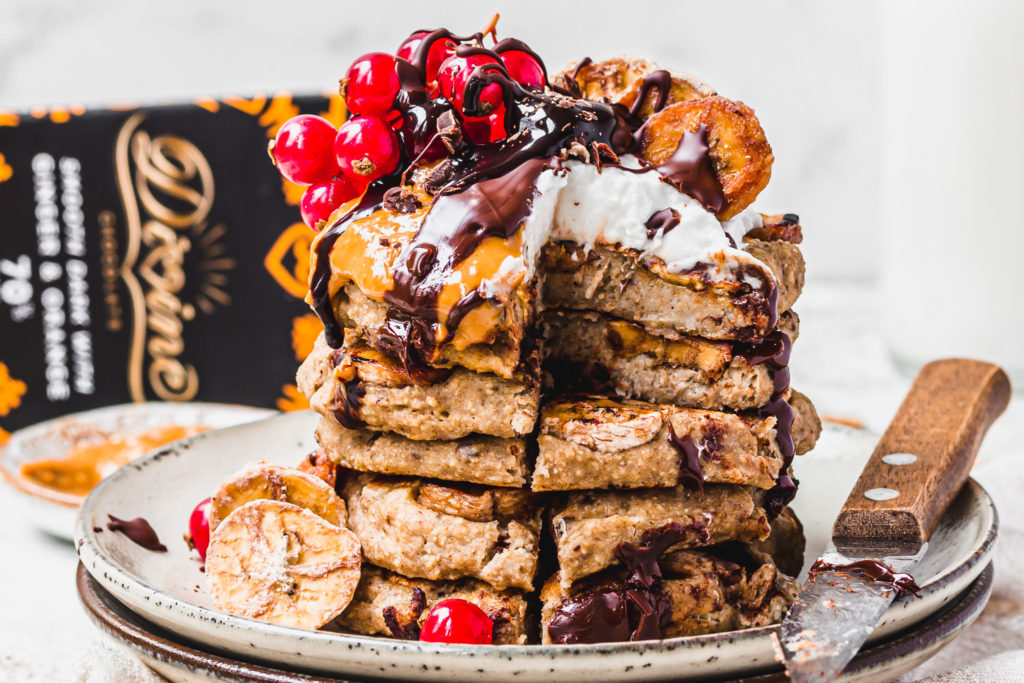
{"type": "Point", "coordinates": [588, 441]}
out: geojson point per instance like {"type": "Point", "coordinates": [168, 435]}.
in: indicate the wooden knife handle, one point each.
{"type": "Point", "coordinates": [939, 427]}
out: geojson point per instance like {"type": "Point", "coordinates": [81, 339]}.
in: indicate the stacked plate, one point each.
{"type": "Point", "coordinates": [157, 603]}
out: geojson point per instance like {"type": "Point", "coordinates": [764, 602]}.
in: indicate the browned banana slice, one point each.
{"type": "Point", "coordinates": [320, 466]}
{"type": "Point", "coordinates": [620, 80]}
{"type": "Point", "coordinates": [740, 154]}
{"type": "Point", "coordinates": [476, 504]}
{"type": "Point", "coordinates": [280, 563]}
{"type": "Point", "coordinates": [264, 480]}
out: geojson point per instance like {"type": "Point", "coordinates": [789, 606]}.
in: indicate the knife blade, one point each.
{"type": "Point", "coordinates": [915, 471]}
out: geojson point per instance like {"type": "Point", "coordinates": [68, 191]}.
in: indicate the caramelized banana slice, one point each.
{"type": "Point", "coordinates": [740, 154]}
{"type": "Point", "coordinates": [620, 80]}
{"type": "Point", "coordinates": [264, 480]}
{"type": "Point", "coordinates": [476, 504]}
{"type": "Point", "coordinates": [277, 562]}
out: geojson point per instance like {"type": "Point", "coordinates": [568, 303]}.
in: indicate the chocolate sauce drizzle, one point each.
{"type": "Point", "coordinates": [660, 80]}
{"type": "Point", "coordinates": [691, 474]}
{"type": "Point", "coordinates": [634, 609]}
{"type": "Point", "coordinates": [661, 222]}
{"type": "Point", "coordinates": [138, 531]}
{"type": "Point", "coordinates": [902, 583]}
{"type": "Point", "coordinates": [774, 352]}
{"type": "Point", "coordinates": [689, 169]}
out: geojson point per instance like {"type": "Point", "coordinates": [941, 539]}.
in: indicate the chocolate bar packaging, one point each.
{"type": "Point", "coordinates": [151, 254]}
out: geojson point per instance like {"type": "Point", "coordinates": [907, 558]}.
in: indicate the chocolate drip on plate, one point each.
{"type": "Point", "coordinates": [901, 582]}
{"type": "Point", "coordinates": [139, 531]}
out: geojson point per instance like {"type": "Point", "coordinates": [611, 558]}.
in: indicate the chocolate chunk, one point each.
{"type": "Point", "coordinates": [439, 177]}
{"type": "Point", "coordinates": [450, 131]}
{"type": "Point", "coordinates": [411, 630]}
{"type": "Point", "coordinates": [401, 200]}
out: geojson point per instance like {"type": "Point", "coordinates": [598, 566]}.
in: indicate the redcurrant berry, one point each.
{"type": "Point", "coordinates": [321, 199]}
{"type": "Point", "coordinates": [303, 149]}
{"type": "Point", "coordinates": [199, 528]}
{"type": "Point", "coordinates": [484, 129]}
{"type": "Point", "coordinates": [454, 73]}
{"type": "Point", "coordinates": [440, 50]}
{"type": "Point", "coordinates": [366, 148]}
{"type": "Point", "coordinates": [524, 68]}
{"type": "Point", "coordinates": [457, 621]}
{"type": "Point", "coordinates": [372, 84]}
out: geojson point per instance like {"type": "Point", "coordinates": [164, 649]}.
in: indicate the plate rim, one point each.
{"type": "Point", "coordinates": [8, 466]}
{"type": "Point", "coordinates": [954, 617]}
{"type": "Point", "coordinates": [108, 571]}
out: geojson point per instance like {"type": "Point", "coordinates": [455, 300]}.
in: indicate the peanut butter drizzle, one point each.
{"type": "Point", "coordinates": [87, 463]}
{"type": "Point", "coordinates": [367, 254]}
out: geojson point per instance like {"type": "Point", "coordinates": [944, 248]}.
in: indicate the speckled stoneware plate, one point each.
{"type": "Point", "coordinates": [169, 590]}
{"type": "Point", "coordinates": [181, 663]}
{"type": "Point", "coordinates": [54, 511]}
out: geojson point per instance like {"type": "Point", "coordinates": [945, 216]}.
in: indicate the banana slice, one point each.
{"type": "Point", "coordinates": [619, 81]}
{"type": "Point", "coordinates": [264, 480]}
{"type": "Point", "coordinates": [478, 504]}
{"type": "Point", "coordinates": [740, 154]}
{"type": "Point", "coordinates": [280, 563]}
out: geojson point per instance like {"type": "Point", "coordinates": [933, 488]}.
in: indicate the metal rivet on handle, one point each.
{"type": "Point", "coordinates": [898, 459]}
{"type": "Point", "coordinates": [881, 494]}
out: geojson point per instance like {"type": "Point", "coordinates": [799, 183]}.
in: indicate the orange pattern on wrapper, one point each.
{"type": "Point", "coordinates": [305, 329]}
{"type": "Point", "coordinates": [291, 399]}
{"type": "Point", "coordinates": [11, 391]}
{"type": "Point", "coordinates": [295, 241]}
{"type": "Point", "coordinates": [5, 169]}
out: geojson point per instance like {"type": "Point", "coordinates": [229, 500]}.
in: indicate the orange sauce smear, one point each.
{"type": "Point", "coordinates": [87, 463]}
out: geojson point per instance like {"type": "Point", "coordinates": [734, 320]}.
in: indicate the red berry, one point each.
{"type": "Point", "coordinates": [440, 50]}
{"type": "Point", "coordinates": [524, 68]}
{"type": "Point", "coordinates": [457, 621]}
{"type": "Point", "coordinates": [303, 149]}
{"type": "Point", "coordinates": [321, 199]}
{"type": "Point", "coordinates": [199, 527]}
{"type": "Point", "coordinates": [484, 129]}
{"type": "Point", "coordinates": [372, 84]}
{"type": "Point", "coordinates": [456, 71]}
{"type": "Point", "coordinates": [366, 148]}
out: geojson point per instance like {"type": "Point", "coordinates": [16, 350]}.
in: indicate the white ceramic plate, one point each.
{"type": "Point", "coordinates": [54, 511]}
{"type": "Point", "coordinates": [169, 590]}
{"type": "Point", "coordinates": [181, 663]}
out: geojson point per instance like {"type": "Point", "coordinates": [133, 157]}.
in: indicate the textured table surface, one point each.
{"type": "Point", "coordinates": [839, 360]}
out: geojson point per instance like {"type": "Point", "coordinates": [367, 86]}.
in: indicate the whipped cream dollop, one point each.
{"type": "Point", "coordinates": [612, 206]}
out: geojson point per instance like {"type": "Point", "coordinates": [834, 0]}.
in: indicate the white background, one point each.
{"type": "Point", "coordinates": [809, 69]}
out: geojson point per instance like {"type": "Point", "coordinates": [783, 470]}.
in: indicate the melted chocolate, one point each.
{"type": "Point", "coordinates": [902, 582]}
{"type": "Point", "coordinates": [772, 351]}
{"type": "Point", "coordinates": [691, 475]}
{"type": "Point", "coordinates": [661, 222]}
{"type": "Point", "coordinates": [689, 169]}
{"type": "Point", "coordinates": [659, 80]}
{"type": "Point", "coordinates": [138, 531]}
{"type": "Point", "coordinates": [635, 609]}
{"type": "Point", "coordinates": [410, 630]}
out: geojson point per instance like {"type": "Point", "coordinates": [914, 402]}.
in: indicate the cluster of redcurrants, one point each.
{"type": "Point", "coordinates": [449, 621]}
{"type": "Point", "coordinates": [338, 164]}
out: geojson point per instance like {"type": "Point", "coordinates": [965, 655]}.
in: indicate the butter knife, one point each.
{"type": "Point", "coordinates": [918, 467]}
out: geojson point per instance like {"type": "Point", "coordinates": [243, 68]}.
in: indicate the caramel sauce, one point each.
{"type": "Point", "coordinates": [87, 463]}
